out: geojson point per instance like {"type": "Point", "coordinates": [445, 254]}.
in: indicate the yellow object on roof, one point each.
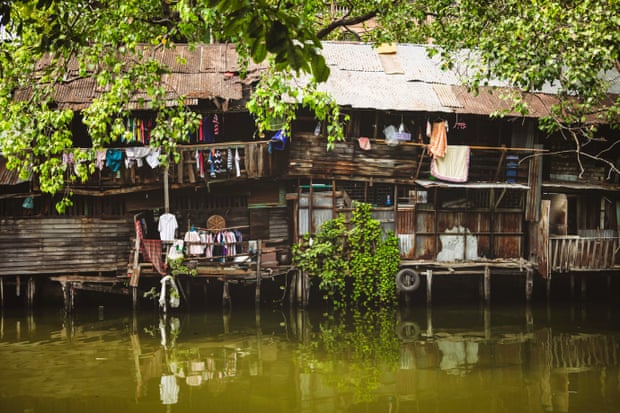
{"type": "Point", "coordinates": [386, 48]}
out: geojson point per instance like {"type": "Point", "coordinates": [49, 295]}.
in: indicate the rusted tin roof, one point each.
{"type": "Point", "coordinates": [9, 176]}
{"type": "Point", "coordinates": [205, 71]}
{"type": "Point", "coordinates": [361, 78]}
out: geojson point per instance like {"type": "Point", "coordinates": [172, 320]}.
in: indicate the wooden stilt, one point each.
{"type": "Point", "coordinates": [18, 286]}
{"type": "Point", "coordinates": [291, 287]}
{"type": "Point", "coordinates": [529, 284]}
{"type": "Point", "coordinates": [486, 312]}
{"type": "Point", "coordinates": [429, 323]}
{"type": "Point", "coordinates": [305, 290]}
{"type": "Point", "coordinates": [299, 288]}
{"type": "Point", "coordinates": [529, 318]}
{"type": "Point", "coordinates": [429, 286]}
{"type": "Point", "coordinates": [30, 290]}
{"type": "Point", "coordinates": [583, 287]}
{"type": "Point", "coordinates": [68, 296]}
{"type": "Point", "coordinates": [258, 272]}
{"type": "Point", "coordinates": [1, 292]}
{"type": "Point", "coordinates": [548, 286]}
{"type": "Point", "coordinates": [572, 286]}
{"type": "Point", "coordinates": [134, 298]}
{"type": "Point", "coordinates": [487, 284]}
{"type": "Point", "coordinates": [226, 302]}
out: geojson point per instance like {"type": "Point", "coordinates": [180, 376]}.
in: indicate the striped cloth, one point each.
{"type": "Point", "coordinates": [151, 250]}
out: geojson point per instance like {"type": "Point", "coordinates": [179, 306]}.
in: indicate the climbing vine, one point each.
{"type": "Point", "coordinates": [355, 267]}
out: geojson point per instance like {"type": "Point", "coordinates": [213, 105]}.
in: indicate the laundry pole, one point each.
{"type": "Point", "coordinates": [166, 191]}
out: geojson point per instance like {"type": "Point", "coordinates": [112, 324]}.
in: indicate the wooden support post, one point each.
{"type": "Point", "coordinates": [226, 302]}
{"type": "Point", "coordinates": [583, 287]}
{"type": "Point", "coordinates": [18, 286]}
{"type": "Point", "coordinates": [529, 284]}
{"type": "Point", "coordinates": [429, 286]}
{"type": "Point", "coordinates": [1, 292]}
{"type": "Point", "coordinates": [69, 296]}
{"type": "Point", "coordinates": [529, 318]}
{"type": "Point", "coordinates": [258, 272]}
{"type": "Point", "coordinates": [572, 285]}
{"type": "Point", "coordinates": [291, 287]}
{"type": "Point", "coordinates": [487, 284]}
{"type": "Point", "coordinates": [298, 286]}
{"type": "Point", "coordinates": [134, 298]}
{"type": "Point", "coordinates": [486, 312]}
{"type": "Point", "coordinates": [548, 282]}
{"type": "Point", "coordinates": [166, 191]}
{"type": "Point", "coordinates": [429, 323]}
{"type": "Point", "coordinates": [305, 291]}
{"type": "Point", "coordinates": [30, 290]}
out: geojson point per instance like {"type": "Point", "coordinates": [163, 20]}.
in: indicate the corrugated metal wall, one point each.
{"type": "Point", "coordinates": [64, 245]}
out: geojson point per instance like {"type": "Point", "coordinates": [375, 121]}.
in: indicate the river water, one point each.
{"type": "Point", "coordinates": [559, 357]}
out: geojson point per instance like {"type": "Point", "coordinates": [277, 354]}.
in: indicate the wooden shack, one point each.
{"type": "Point", "coordinates": [465, 192]}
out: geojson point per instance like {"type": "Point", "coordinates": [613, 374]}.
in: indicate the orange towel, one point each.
{"type": "Point", "coordinates": [439, 140]}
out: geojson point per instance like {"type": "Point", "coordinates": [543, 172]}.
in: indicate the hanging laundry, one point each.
{"type": "Point", "coordinates": [364, 143]}
{"type": "Point", "coordinates": [153, 158]}
{"type": "Point", "coordinates": [229, 160]}
{"type": "Point", "coordinates": [218, 162]}
{"type": "Point", "coordinates": [237, 159]}
{"type": "Point", "coordinates": [279, 141]}
{"type": "Point", "coordinates": [192, 238]}
{"type": "Point", "coordinates": [167, 226]}
{"type": "Point", "coordinates": [207, 131]}
{"type": "Point", "coordinates": [454, 166]}
{"type": "Point", "coordinates": [216, 124]}
{"type": "Point", "coordinates": [136, 156]}
{"type": "Point", "coordinates": [210, 161]}
{"type": "Point", "coordinates": [100, 159]}
{"type": "Point", "coordinates": [200, 165]}
{"type": "Point", "coordinates": [114, 159]}
{"type": "Point", "coordinates": [439, 139]}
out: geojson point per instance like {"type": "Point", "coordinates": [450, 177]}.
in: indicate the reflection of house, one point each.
{"type": "Point", "coordinates": [476, 208]}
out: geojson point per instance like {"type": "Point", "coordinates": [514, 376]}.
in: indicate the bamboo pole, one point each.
{"type": "Point", "coordinates": [474, 147]}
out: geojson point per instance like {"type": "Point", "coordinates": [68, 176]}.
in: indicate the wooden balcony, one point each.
{"type": "Point", "coordinates": [586, 252]}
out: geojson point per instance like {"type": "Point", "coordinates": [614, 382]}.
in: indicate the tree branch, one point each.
{"type": "Point", "coordinates": [344, 22]}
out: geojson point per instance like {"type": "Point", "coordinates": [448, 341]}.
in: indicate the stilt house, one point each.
{"type": "Point", "coordinates": [464, 191]}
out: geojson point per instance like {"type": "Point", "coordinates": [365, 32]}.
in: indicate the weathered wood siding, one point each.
{"type": "Point", "coordinates": [63, 245]}
{"type": "Point", "coordinates": [309, 157]}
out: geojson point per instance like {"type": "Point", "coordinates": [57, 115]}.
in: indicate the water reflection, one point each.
{"type": "Point", "coordinates": [438, 359]}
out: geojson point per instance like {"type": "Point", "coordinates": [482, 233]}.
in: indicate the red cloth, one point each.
{"type": "Point", "coordinates": [151, 250]}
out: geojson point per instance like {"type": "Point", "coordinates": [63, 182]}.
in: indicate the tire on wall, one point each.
{"type": "Point", "coordinates": [408, 280]}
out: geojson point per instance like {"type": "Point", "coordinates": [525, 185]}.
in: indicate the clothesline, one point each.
{"type": "Point", "coordinates": [222, 229]}
{"type": "Point", "coordinates": [474, 147]}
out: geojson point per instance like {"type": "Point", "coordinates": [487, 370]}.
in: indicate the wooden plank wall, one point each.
{"type": "Point", "coordinates": [309, 156]}
{"type": "Point", "coordinates": [36, 246]}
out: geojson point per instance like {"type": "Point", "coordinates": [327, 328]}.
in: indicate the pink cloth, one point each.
{"type": "Point", "coordinates": [364, 143]}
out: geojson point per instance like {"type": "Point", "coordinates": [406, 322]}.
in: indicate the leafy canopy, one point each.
{"type": "Point", "coordinates": [525, 43]}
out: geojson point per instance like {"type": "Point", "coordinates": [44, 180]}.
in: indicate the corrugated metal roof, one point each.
{"type": "Point", "coordinates": [10, 176]}
{"type": "Point", "coordinates": [408, 80]}
{"type": "Point", "coordinates": [202, 72]}
{"type": "Point", "coordinates": [359, 80]}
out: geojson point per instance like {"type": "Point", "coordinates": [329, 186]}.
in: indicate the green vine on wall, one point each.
{"type": "Point", "coordinates": [354, 266]}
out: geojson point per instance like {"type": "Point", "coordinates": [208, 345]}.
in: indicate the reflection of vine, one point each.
{"type": "Point", "coordinates": [352, 354]}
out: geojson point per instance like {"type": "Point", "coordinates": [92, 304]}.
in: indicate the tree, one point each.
{"type": "Point", "coordinates": [526, 44]}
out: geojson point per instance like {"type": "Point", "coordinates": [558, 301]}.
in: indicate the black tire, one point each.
{"type": "Point", "coordinates": [408, 331]}
{"type": "Point", "coordinates": [408, 280]}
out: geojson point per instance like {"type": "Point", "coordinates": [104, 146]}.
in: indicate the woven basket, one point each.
{"type": "Point", "coordinates": [216, 223]}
